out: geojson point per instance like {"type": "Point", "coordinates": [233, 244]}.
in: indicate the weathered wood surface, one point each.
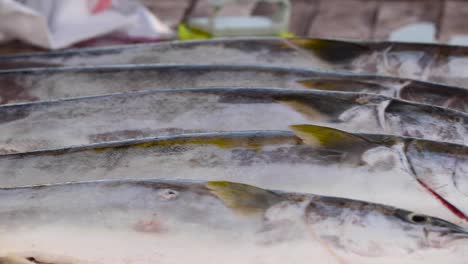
{"type": "Point", "coordinates": [395, 14]}
{"type": "Point", "coordinates": [455, 20]}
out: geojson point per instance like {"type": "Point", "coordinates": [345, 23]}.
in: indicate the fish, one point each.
{"type": "Point", "coordinates": [30, 85]}
{"type": "Point", "coordinates": [427, 62]}
{"type": "Point", "coordinates": [438, 167]}
{"type": "Point", "coordinates": [312, 159]}
{"type": "Point", "coordinates": [80, 121]}
{"type": "Point", "coordinates": [39, 224]}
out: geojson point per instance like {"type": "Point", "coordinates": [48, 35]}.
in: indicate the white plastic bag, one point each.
{"type": "Point", "coordinates": [57, 24]}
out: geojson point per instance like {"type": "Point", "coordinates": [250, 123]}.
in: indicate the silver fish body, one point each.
{"type": "Point", "coordinates": [439, 63]}
{"type": "Point", "coordinates": [357, 167]}
{"type": "Point", "coordinates": [156, 212]}
{"type": "Point", "coordinates": [55, 124]}
{"type": "Point", "coordinates": [51, 84]}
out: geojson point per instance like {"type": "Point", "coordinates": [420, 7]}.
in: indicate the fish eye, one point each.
{"type": "Point", "coordinates": [458, 119]}
{"type": "Point", "coordinates": [168, 194]}
{"type": "Point", "coordinates": [418, 218]}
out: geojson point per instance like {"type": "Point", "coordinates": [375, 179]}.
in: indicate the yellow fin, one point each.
{"type": "Point", "coordinates": [334, 51]}
{"type": "Point", "coordinates": [346, 85]}
{"type": "Point", "coordinates": [306, 110]}
{"type": "Point", "coordinates": [243, 198]}
{"type": "Point", "coordinates": [12, 259]}
{"type": "Point", "coordinates": [329, 138]}
{"type": "Point", "coordinates": [321, 85]}
{"type": "Point", "coordinates": [188, 33]}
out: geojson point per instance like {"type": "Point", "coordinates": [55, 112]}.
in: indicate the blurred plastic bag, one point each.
{"type": "Point", "coordinates": [57, 24]}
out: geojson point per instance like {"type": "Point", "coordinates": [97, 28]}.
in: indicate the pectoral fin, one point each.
{"type": "Point", "coordinates": [242, 198]}
{"type": "Point", "coordinates": [321, 85]}
{"type": "Point", "coordinates": [12, 259]}
{"type": "Point", "coordinates": [329, 138]}
{"type": "Point", "coordinates": [333, 51]}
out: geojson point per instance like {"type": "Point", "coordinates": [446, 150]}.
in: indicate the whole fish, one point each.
{"type": "Point", "coordinates": [90, 222]}
{"type": "Point", "coordinates": [439, 63]}
{"type": "Point", "coordinates": [416, 175]}
{"type": "Point", "coordinates": [50, 84]}
{"type": "Point", "coordinates": [54, 124]}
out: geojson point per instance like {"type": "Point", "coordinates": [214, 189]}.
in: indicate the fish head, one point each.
{"type": "Point", "coordinates": [373, 229]}
{"type": "Point", "coordinates": [432, 231]}
{"type": "Point", "coordinates": [361, 227]}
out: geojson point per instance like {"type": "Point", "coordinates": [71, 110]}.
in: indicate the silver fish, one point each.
{"type": "Point", "coordinates": [54, 124]}
{"type": "Point", "coordinates": [50, 84]}
{"type": "Point", "coordinates": [439, 63]}
{"type": "Point", "coordinates": [416, 174]}
{"type": "Point", "coordinates": [42, 224]}
{"type": "Point", "coordinates": [438, 167]}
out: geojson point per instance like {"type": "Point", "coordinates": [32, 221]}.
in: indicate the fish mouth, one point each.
{"type": "Point", "coordinates": [460, 235]}
{"type": "Point", "coordinates": [454, 237]}
{"type": "Point", "coordinates": [446, 234]}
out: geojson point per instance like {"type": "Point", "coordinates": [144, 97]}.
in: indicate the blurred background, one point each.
{"type": "Point", "coordinates": [440, 21]}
